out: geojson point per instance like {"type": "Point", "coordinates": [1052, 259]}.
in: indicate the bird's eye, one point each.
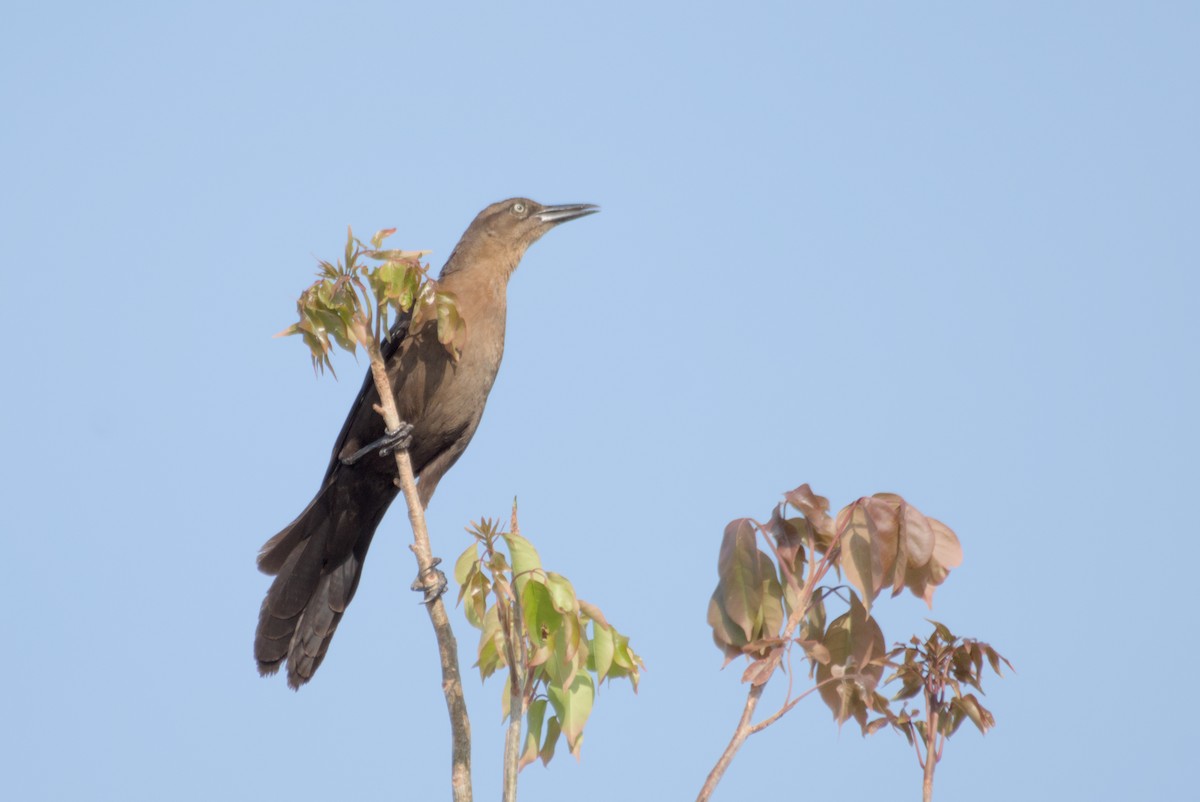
{"type": "Point", "coordinates": [518, 208]}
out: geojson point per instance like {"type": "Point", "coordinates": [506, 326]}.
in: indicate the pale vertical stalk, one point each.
{"type": "Point", "coordinates": [460, 725]}
{"type": "Point", "coordinates": [512, 744]}
{"type": "Point", "coordinates": [510, 622]}
{"type": "Point", "coordinates": [931, 750]}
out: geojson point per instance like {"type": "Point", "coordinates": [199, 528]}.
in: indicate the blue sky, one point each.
{"type": "Point", "coordinates": [944, 250]}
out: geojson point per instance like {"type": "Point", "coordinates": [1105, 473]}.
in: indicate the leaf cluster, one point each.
{"type": "Point", "coordinates": [353, 298]}
{"type": "Point", "coordinates": [942, 662]}
{"type": "Point", "coordinates": [767, 601]}
{"type": "Point", "coordinates": [557, 647]}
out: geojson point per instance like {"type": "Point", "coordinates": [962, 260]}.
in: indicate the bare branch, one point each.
{"type": "Point", "coordinates": [460, 725]}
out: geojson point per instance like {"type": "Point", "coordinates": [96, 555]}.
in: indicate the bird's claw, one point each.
{"type": "Point", "coordinates": [397, 440]}
{"type": "Point", "coordinates": [432, 590]}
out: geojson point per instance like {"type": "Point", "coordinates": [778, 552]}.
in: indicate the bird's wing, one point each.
{"type": "Point", "coordinates": [389, 348]}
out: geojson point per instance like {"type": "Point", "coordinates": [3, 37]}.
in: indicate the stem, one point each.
{"type": "Point", "coordinates": [512, 743]}
{"type": "Point", "coordinates": [771, 719]}
{"type": "Point", "coordinates": [931, 751]}
{"type": "Point", "coordinates": [456, 706]}
{"type": "Point", "coordinates": [516, 690]}
{"type": "Point", "coordinates": [735, 743]}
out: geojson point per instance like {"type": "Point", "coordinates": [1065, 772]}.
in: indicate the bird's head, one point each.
{"type": "Point", "coordinates": [504, 230]}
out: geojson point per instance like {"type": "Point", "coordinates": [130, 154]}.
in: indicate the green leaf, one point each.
{"type": "Point", "coordinates": [491, 644]}
{"type": "Point", "coordinates": [603, 649]}
{"type": "Point", "coordinates": [625, 661]}
{"type": "Point", "coordinates": [397, 255]}
{"type": "Point", "coordinates": [395, 283]}
{"type": "Point", "coordinates": [476, 592]}
{"type": "Point", "coordinates": [553, 730]}
{"type": "Point", "coordinates": [534, 718]}
{"type": "Point", "coordinates": [568, 639]}
{"type": "Point", "coordinates": [541, 619]}
{"type": "Point", "coordinates": [380, 236]}
{"type": "Point", "coordinates": [573, 705]}
{"type": "Point", "coordinates": [562, 595]}
{"type": "Point", "coordinates": [450, 322]}
{"type": "Point", "coordinates": [466, 561]}
{"type": "Point", "coordinates": [525, 558]}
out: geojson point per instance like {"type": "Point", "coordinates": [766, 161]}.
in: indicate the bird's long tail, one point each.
{"type": "Point", "coordinates": [317, 562]}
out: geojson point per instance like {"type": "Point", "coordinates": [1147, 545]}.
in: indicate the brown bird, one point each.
{"type": "Point", "coordinates": [317, 559]}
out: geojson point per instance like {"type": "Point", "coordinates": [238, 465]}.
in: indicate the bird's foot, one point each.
{"type": "Point", "coordinates": [432, 590]}
{"type": "Point", "coordinates": [398, 440]}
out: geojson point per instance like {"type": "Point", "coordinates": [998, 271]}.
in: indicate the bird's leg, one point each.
{"type": "Point", "coordinates": [398, 440]}
{"type": "Point", "coordinates": [432, 592]}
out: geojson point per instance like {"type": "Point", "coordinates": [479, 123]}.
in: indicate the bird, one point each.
{"type": "Point", "coordinates": [317, 559]}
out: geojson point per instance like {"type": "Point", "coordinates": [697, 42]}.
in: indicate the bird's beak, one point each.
{"type": "Point", "coordinates": [567, 211]}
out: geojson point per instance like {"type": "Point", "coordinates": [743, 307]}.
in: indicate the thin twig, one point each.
{"type": "Point", "coordinates": [735, 743]}
{"type": "Point", "coordinates": [771, 719]}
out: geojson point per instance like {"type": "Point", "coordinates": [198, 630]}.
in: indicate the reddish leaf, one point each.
{"type": "Point", "coordinates": [790, 535]}
{"type": "Point", "coordinates": [593, 612]}
{"type": "Point", "coordinates": [770, 619]}
{"type": "Point", "coordinates": [918, 535]}
{"type": "Point", "coordinates": [726, 634]}
{"type": "Point", "coordinates": [813, 507]}
{"type": "Point", "coordinates": [740, 585]}
{"type": "Point", "coordinates": [994, 659]}
{"type": "Point", "coordinates": [947, 551]}
{"type": "Point", "coordinates": [816, 651]}
{"type": "Point", "coordinates": [869, 528]}
{"type": "Point", "coordinates": [761, 670]}
{"type": "Point", "coordinates": [855, 643]}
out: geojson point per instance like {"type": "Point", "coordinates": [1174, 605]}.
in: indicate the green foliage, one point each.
{"type": "Point", "coordinates": [557, 648]}
{"type": "Point", "coordinates": [351, 301]}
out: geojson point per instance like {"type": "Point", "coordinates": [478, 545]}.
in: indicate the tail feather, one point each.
{"type": "Point", "coordinates": [317, 562]}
